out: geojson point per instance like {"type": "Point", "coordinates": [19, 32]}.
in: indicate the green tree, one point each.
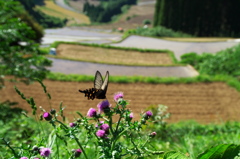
{"type": "Point", "coordinates": [19, 54]}
{"type": "Point", "coordinates": [199, 17]}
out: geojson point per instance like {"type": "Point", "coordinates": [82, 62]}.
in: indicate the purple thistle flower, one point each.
{"type": "Point", "coordinates": [104, 127]}
{"type": "Point", "coordinates": [45, 152]}
{"type": "Point", "coordinates": [147, 115]}
{"type": "Point", "coordinates": [47, 116]}
{"type": "Point", "coordinates": [131, 115]}
{"type": "Point", "coordinates": [92, 112]}
{"type": "Point", "coordinates": [23, 158]}
{"type": "Point", "coordinates": [101, 133]}
{"type": "Point", "coordinates": [72, 124]}
{"type": "Point", "coordinates": [103, 106]}
{"type": "Point", "coordinates": [117, 96]}
{"type": "Point", "coordinates": [77, 152]}
{"type": "Point", "coordinates": [153, 134]}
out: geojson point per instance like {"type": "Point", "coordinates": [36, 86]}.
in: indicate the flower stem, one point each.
{"type": "Point", "coordinates": [75, 138]}
{"type": "Point", "coordinates": [118, 123]}
{"type": "Point", "coordinates": [79, 144]}
{"type": "Point", "coordinates": [116, 138]}
{"type": "Point", "coordinates": [110, 124]}
{"type": "Point", "coordinates": [10, 147]}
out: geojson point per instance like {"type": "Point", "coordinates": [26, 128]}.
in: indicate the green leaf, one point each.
{"type": "Point", "coordinates": [174, 155]}
{"type": "Point", "coordinates": [222, 151]}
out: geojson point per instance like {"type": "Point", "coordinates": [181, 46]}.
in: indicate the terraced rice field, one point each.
{"type": "Point", "coordinates": [203, 102]}
{"type": "Point", "coordinates": [112, 56]}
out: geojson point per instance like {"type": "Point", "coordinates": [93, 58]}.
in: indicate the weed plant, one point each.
{"type": "Point", "coordinates": [96, 135]}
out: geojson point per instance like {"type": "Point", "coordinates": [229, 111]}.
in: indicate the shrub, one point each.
{"type": "Point", "coordinates": [147, 22]}
{"type": "Point", "coordinates": [156, 32]}
{"type": "Point", "coordinates": [225, 62]}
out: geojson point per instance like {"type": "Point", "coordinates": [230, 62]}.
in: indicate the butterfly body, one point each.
{"type": "Point", "coordinates": [100, 87]}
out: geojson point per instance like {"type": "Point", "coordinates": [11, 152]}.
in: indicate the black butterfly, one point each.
{"type": "Point", "coordinates": [100, 87]}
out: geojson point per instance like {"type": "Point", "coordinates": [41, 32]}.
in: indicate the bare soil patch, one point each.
{"type": "Point", "coordinates": [203, 102]}
{"type": "Point", "coordinates": [112, 56]}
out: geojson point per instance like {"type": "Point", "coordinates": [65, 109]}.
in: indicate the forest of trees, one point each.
{"type": "Point", "coordinates": [106, 10]}
{"type": "Point", "coordinates": [199, 17]}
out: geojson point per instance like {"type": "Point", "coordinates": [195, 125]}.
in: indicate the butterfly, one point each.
{"type": "Point", "coordinates": [100, 87]}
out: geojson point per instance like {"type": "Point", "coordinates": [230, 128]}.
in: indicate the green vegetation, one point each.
{"type": "Point", "coordinates": [199, 18]}
{"type": "Point", "coordinates": [106, 11]}
{"type": "Point", "coordinates": [233, 82]}
{"type": "Point", "coordinates": [147, 22]}
{"type": "Point", "coordinates": [225, 62]}
{"type": "Point", "coordinates": [19, 54]}
{"type": "Point", "coordinates": [159, 31]}
{"type": "Point", "coordinates": [188, 140]}
{"type": "Point", "coordinates": [44, 20]}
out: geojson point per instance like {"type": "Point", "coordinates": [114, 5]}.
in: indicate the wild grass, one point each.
{"type": "Point", "coordinates": [231, 81]}
{"type": "Point", "coordinates": [193, 138]}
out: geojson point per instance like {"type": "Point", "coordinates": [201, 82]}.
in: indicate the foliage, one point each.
{"type": "Point", "coordinates": [199, 18]}
{"type": "Point", "coordinates": [222, 151]}
{"type": "Point", "coordinates": [44, 20]}
{"type": "Point", "coordinates": [7, 112]}
{"type": "Point", "coordinates": [193, 138]}
{"type": "Point", "coordinates": [19, 54]}
{"type": "Point", "coordinates": [225, 62]}
{"type": "Point", "coordinates": [159, 31]}
{"type": "Point", "coordinates": [147, 22]}
{"type": "Point", "coordinates": [107, 9]}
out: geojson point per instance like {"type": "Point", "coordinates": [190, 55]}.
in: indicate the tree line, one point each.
{"type": "Point", "coordinates": [106, 10]}
{"type": "Point", "coordinates": [199, 17]}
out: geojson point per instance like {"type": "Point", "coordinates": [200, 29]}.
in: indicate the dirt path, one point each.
{"type": "Point", "coordinates": [203, 102]}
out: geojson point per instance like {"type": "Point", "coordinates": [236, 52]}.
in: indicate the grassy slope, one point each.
{"type": "Point", "coordinates": [52, 9]}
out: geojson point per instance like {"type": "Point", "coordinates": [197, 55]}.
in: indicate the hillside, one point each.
{"type": "Point", "coordinates": [50, 8]}
{"type": "Point", "coordinates": [132, 19]}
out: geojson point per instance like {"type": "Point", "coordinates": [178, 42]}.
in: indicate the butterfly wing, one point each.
{"type": "Point", "coordinates": [105, 83]}
{"type": "Point", "coordinates": [98, 81]}
{"type": "Point", "coordinates": [100, 87]}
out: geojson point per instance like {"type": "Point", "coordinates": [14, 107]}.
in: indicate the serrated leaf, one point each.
{"type": "Point", "coordinates": [174, 155]}
{"type": "Point", "coordinates": [222, 151]}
